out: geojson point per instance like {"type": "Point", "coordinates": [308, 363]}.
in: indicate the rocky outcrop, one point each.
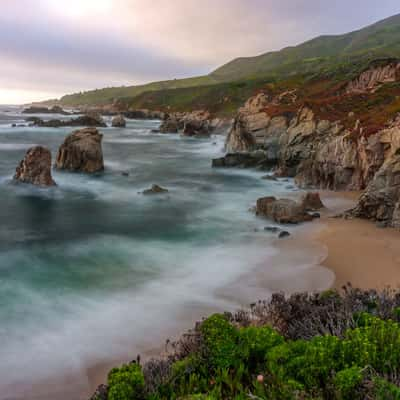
{"type": "Point", "coordinates": [381, 200]}
{"type": "Point", "coordinates": [44, 110]}
{"type": "Point", "coordinates": [374, 77]}
{"type": "Point", "coordinates": [254, 128]}
{"type": "Point", "coordinates": [81, 152]}
{"type": "Point", "coordinates": [196, 123]}
{"type": "Point", "coordinates": [283, 211]}
{"type": "Point", "coordinates": [84, 120]}
{"type": "Point", "coordinates": [35, 168]}
{"type": "Point", "coordinates": [118, 122]}
{"type": "Point", "coordinates": [155, 189]}
{"type": "Point", "coordinates": [144, 114]}
{"type": "Point", "coordinates": [254, 159]}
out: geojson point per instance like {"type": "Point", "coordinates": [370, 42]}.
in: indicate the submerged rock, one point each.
{"type": "Point", "coordinates": [284, 234]}
{"type": "Point", "coordinates": [35, 168]}
{"type": "Point", "coordinates": [81, 152]}
{"type": "Point", "coordinates": [118, 122]}
{"type": "Point", "coordinates": [155, 189]}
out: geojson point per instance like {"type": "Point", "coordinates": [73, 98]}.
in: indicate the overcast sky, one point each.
{"type": "Point", "coordinates": [52, 47]}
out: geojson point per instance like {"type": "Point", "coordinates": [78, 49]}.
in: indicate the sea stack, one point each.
{"type": "Point", "coordinates": [81, 152]}
{"type": "Point", "coordinates": [35, 168]}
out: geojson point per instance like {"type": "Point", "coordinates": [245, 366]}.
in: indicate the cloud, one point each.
{"type": "Point", "coordinates": [59, 46]}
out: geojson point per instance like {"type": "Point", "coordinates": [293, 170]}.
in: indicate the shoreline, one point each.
{"type": "Point", "coordinates": [316, 251]}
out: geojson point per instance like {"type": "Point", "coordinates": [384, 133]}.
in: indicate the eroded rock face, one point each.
{"type": "Point", "coordinates": [118, 122]}
{"type": "Point", "coordinates": [35, 168]}
{"type": "Point", "coordinates": [253, 127]}
{"type": "Point", "coordinates": [283, 211]}
{"type": "Point", "coordinates": [374, 77]}
{"type": "Point", "coordinates": [81, 152]}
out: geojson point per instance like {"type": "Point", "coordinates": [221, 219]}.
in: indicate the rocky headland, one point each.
{"type": "Point", "coordinates": [339, 142]}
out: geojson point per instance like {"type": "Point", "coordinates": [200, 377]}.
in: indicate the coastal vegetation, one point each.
{"type": "Point", "coordinates": [331, 345]}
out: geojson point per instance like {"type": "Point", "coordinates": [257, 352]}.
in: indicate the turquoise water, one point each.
{"type": "Point", "coordinates": [92, 269]}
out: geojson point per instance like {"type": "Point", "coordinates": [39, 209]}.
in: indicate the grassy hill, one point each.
{"type": "Point", "coordinates": [322, 56]}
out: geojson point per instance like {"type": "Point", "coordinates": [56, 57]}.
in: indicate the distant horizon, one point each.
{"type": "Point", "coordinates": [49, 51]}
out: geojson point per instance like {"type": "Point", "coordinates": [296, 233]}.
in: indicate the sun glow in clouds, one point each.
{"type": "Point", "coordinates": [80, 8]}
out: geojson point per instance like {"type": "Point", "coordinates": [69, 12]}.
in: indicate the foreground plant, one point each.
{"type": "Point", "coordinates": [322, 346]}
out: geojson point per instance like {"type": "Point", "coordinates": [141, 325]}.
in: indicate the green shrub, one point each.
{"type": "Point", "coordinates": [384, 390]}
{"type": "Point", "coordinates": [126, 383]}
{"type": "Point", "coordinates": [347, 381]}
{"type": "Point", "coordinates": [255, 342]}
{"type": "Point", "coordinates": [220, 339]}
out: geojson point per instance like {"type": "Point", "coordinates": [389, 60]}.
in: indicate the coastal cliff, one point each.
{"type": "Point", "coordinates": [330, 136]}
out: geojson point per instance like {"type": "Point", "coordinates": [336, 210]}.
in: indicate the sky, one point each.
{"type": "Point", "coordinates": [49, 48]}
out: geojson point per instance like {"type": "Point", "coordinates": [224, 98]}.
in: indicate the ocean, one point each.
{"type": "Point", "coordinates": [93, 271]}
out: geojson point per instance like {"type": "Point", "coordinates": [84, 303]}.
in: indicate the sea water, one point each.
{"type": "Point", "coordinates": [92, 270]}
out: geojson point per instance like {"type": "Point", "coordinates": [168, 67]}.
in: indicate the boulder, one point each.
{"type": "Point", "coordinates": [198, 128]}
{"type": "Point", "coordinates": [170, 125]}
{"type": "Point", "coordinates": [81, 152]}
{"type": "Point", "coordinates": [283, 211]}
{"type": "Point", "coordinates": [118, 122]}
{"type": "Point", "coordinates": [311, 201]}
{"type": "Point", "coordinates": [35, 168]}
{"type": "Point", "coordinates": [155, 189]}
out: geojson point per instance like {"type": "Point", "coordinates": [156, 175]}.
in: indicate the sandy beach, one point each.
{"type": "Point", "coordinates": [358, 251]}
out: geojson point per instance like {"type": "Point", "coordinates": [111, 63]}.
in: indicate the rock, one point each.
{"type": "Point", "coordinates": [374, 77]}
{"type": "Point", "coordinates": [118, 122]}
{"type": "Point", "coordinates": [283, 211]}
{"type": "Point", "coordinates": [125, 173]}
{"type": "Point", "coordinates": [284, 234]}
{"type": "Point", "coordinates": [312, 201]}
{"type": "Point", "coordinates": [13, 125]}
{"type": "Point", "coordinates": [269, 178]}
{"type": "Point", "coordinates": [272, 229]}
{"type": "Point", "coordinates": [35, 168]}
{"type": "Point", "coordinates": [255, 159]}
{"type": "Point", "coordinates": [315, 215]}
{"type": "Point", "coordinates": [85, 120]}
{"type": "Point", "coordinates": [44, 110]}
{"type": "Point", "coordinates": [170, 125]}
{"type": "Point", "coordinates": [198, 128]}
{"type": "Point", "coordinates": [91, 119]}
{"type": "Point", "coordinates": [144, 114]}
{"type": "Point", "coordinates": [81, 151]}
{"type": "Point", "coordinates": [155, 189]}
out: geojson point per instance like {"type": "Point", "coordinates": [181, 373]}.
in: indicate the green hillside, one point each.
{"type": "Point", "coordinates": [323, 55]}
{"type": "Point", "coordinates": [317, 55]}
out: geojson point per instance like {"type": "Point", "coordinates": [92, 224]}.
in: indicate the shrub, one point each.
{"type": "Point", "coordinates": [126, 383]}
{"type": "Point", "coordinates": [255, 342]}
{"type": "Point", "coordinates": [347, 381]}
{"type": "Point", "coordinates": [220, 340]}
{"type": "Point", "coordinates": [384, 390]}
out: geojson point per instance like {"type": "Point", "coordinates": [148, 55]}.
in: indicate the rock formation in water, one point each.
{"type": "Point", "coordinates": [81, 152]}
{"type": "Point", "coordinates": [155, 189]}
{"type": "Point", "coordinates": [84, 120]}
{"type": "Point", "coordinates": [44, 110]}
{"type": "Point", "coordinates": [198, 123]}
{"type": "Point", "coordinates": [118, 122]}
{"type": "Point", "coordinates": [35, 168]}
